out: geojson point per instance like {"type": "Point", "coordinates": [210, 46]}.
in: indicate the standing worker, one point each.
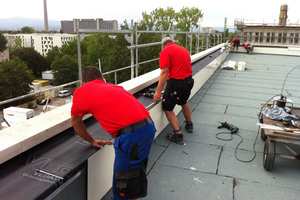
{"type": "Point", "coordinates": [249, 48]}
{"type": "Point", "coordinates": [176, 70]}
{"type": "Point", "coordinates": [125, 118]}
{"type": "Point", "coordinates": [236, 43]}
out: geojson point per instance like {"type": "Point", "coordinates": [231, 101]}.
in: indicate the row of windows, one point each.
{"type": "Point", "coordinates": [47, 42]}
{"type": "Point", "coordinates": [47, 46]}
{"type": "Point", "coordinates": [46, 38]}
{"type": "Point", "coordinates": [66, 38]}
{"type": "Point", "coordinates": [270, 37]}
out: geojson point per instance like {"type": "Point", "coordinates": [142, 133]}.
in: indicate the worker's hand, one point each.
{"type": "Point", "coordinates": [157, 97]}
{"type": "Point", "coordinates": [97, 143]}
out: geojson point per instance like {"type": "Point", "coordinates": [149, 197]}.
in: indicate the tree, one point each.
{"type": "Point", "coordinates": [15, 78]}
{"type": "Point", "coordinates": [18, 44]}
{"type": "Point", "coordinates": [3, 43]}
{"type": "Point", "coordinates": [34, 60]}
{"type": "Point", "coordinates": [188, 18]}
{"type": "Point", "coordinates": [159, 19]}
{"type": "Point", "coordinates": [65, 70]}
{"type": "Point", "coordinates": [53, 54]}
{"type": "Point", "coordinates": [27, 29]}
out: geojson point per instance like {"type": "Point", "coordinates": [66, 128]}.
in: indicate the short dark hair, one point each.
{"type": "Point", "coordinates": [91, 73]}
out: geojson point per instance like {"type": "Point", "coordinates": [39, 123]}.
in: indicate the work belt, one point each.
{"type": "Point", "coordinates": [184, 80]}
{"type": "Point", "coordinates": [135, 126]}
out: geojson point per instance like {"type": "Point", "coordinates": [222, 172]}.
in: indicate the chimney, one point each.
{"type": "Point", "coordinates": [283, 15]}
{"type": "Point", "coordinates": [46, 27]}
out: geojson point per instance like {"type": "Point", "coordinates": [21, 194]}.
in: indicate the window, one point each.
{"type": "Point", "coordinates": [268, 37]}
{"type": "Point", "coordinates": [250, 37]}
{"type": "Point", "coordinates": [296, 38]}
{"type": "Point", "coordinates": [279, 37]}
{"type": "Point", "coordinates": [261, 37]}
{"type": "Point", "coordinates": [273, 38]}
{"type": "Point", "coordinates": [291, 38]}
{"type": "Point", "coordinates": [284, 38]}
{"type": "Point", "coordinates": [256, 36]}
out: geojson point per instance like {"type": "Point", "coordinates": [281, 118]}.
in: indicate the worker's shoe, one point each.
{"type": "Point", "coordinates": [189, 127]}
{"type": "Point", "coordinates": [177, 138]}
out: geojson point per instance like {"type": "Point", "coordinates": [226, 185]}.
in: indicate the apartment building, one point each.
{"type": "Point", "coordinates": [43, 43]}
{"type": "Point", "coordinates": [97, 24]}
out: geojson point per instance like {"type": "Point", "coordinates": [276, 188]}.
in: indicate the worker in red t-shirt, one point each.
{"type": "Point", "coordinates": [235, 43]}
{"type": "Point", "coordinates": [249, 48]}
{"type": "Point", "coordinates": [176, 70]}
{"type": "Point", "coordinates": [125, 118]}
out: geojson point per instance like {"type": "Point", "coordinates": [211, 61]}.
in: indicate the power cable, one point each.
{"type": "Point", "coordinates": [231, 137]}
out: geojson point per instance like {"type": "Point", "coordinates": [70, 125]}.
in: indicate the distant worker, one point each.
{"type": "Point", "coordinates": [176, 71]}
{"type": "Point", "coordinates": [249, 48]}
{"type": "Point", "coordinates": [235, 43]}
{"type": "Point", "coordinates": [125, 118]}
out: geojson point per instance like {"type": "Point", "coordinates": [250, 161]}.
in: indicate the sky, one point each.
{"type": "Point", "coordinates": [254, 11]}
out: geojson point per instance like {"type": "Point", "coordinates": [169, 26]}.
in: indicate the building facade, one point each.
{"type": "Point", "coordinates": [280, 34]}
{"type": "Point", "coordinates": [270, 35]}
{"type": "Point", "coordinates": [96, 24]}
{"type": "Point", "coordinates": [10, 42]}
{"type": "Point", "coordinates": [43, 43]}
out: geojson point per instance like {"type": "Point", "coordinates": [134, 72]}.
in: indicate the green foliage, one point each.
{"type": "Point", "coordinates": [187, 19]}
{"type": "Point", "coordinates": [27, 29]}
{"type": "Point", "coordinates": [18, 44]}
{"type": "Point", "coordinates": [65, 70]}
{"type": "Point", "coordinates": [110, 49]}
{"type": "Point", "coordinates": [34, 60]}
{"type": "Point", "coordinates": [15, 79]}
{"type": "Point", "coordinates": [53, 54]}
{"type": "Point", "coordinates": [159, 19]}
{"type": "Point", "coordinates": [3, 43]}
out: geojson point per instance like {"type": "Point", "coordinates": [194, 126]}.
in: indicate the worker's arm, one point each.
{"type": "Point", "coordinates": [80, 129]}
{"type": "Point", "coordinates": [163, 77]}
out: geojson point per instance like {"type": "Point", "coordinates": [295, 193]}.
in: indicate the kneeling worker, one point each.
{"type": "Point", "coordinates": [125, 118]}
{"type": "Point", "coordinates": [249, 48]}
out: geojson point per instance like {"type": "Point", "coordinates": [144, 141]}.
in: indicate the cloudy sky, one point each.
{"type": "Point", "coordinates": [215, 11]}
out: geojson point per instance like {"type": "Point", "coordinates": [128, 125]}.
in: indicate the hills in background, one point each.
{"type": "Point", "coordinates": [18, 22]}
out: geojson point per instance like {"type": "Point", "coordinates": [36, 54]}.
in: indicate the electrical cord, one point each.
{"type": "Point", "coordinates": [231, 137]}
{"type": "Point", "coordinates": [287, 76]}
{"type": "Point", "coordinates": [236, 148]}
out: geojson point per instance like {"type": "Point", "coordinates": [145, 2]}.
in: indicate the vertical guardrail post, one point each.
{"type": "Point", "coordinates": [137, 35]}
{"type": "Point", "coordinates": [79, 52]}
{"type": "Point", "coordinates": [132, 51]}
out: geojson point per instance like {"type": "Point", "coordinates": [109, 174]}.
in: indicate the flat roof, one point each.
{"type": "Point", "coordinates": [209, 168]}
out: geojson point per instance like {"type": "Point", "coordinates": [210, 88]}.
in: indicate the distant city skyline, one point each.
{"type": "Point", "coordinates": [214, 12]}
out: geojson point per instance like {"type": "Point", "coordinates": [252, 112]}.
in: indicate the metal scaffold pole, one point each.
{"type": "Point", "coordinates": [79, 52]}
{"type": "Point", "coordinates": [132, 51]}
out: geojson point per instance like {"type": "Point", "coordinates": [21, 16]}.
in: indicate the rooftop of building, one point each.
{"type": "Point", "coordinates": [206, 167]}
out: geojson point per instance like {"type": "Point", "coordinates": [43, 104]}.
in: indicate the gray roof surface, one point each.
{"type": "Point", "coordinates": [209, 168]}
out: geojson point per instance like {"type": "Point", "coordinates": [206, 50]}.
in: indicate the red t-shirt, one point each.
{"type": "Point", "coordinates": [246, 45]}
{"type": "Point", "coordinates": [234, 40]}
{"type": "Point", "coordinates": [110, 104]}
{"type": "Point", "coordinates": [177, 59]}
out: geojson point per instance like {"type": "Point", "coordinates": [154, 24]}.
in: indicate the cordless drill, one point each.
{"type": "Point", "coordinates": [232, 128]}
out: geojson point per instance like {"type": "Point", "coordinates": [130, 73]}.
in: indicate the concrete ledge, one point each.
{"type": "Point", "coordinates": [25, 135]}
